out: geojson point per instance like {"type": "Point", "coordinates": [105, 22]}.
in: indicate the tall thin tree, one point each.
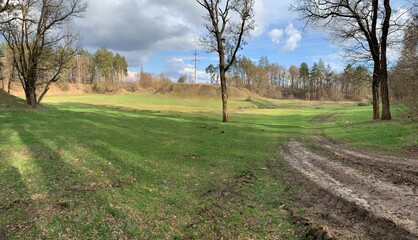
{"type": "Point", "coordinates": [228, 24]}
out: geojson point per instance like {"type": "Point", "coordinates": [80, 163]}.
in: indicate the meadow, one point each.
{"type": "Point", "coordinates": [151, 166]}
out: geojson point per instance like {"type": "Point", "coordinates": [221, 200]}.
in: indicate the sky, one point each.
{"type": "Point", "coordinates": [161, 35]}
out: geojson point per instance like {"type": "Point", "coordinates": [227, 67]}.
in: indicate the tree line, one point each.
{"type": "Point", "coordinates": [316, 82]}
{"type": "Point", "coordinates": [362, 28]}
{"type": "Point", "coordinates": [99, 69]}
{"type": "Point", "coordinates": [404, 75]}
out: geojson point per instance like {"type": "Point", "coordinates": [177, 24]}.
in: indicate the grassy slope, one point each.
{"type": "Point", "coordinates": [81, 171]}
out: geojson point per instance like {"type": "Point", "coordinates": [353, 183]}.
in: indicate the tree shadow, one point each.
{"type": "Point", "coordinates": [264, 104]}
{"type": "Point", "coordinates": [94, 159]}
{"type": "Point", "coordinates": [15, 199]}
{"type": "Point", "coordinates": [58, 187]}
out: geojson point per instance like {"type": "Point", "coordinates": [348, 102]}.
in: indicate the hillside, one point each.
{"type": "Point", "coordinates": [10, 101]}
{"type": "Point", "coordinates": [203, 91]}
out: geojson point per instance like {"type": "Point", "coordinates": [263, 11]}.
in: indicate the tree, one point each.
{"type": "Point", "coordinates": [294, 74]}
{"type": "Point", "coordinates": [304, 76]}
{"type": "Point", "coordinates": [405, 84]}
{"type": "Point", "coordinates": [182, 78]}
{"type": "Point", "coordinates": [40, 41]}
{"type": "Point", "coordinates": [365, 23]}
{"type": "Point", "coordinates": [103, 58]}
{"type": "Point", "coordinates": [6, 8]}
{"type": "Point", "coordinates": [213, 72]}
{"type": "Point", "coordinates": [226, 36]}
{"type": "Point", "coordinates": [120, 67]}
{"type": "Point", "coordinates": [346, 80]}
{"type": "Point", "coordinates": [262, 75]}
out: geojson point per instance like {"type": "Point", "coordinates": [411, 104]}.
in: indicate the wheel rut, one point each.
{"type": "Point", "coordinates": [379, 196]}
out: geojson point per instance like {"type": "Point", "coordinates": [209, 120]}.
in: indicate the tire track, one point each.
{"type": "Point", "coordinates": [395, 202]}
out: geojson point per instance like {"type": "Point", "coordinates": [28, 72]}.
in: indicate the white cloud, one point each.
{"type": "Point", "coordinates": [269, 12]}
{"type": "Point", "coordinates": [334, 60]}
{"type": "Point", "coordinates": [276, 35]}
{"type": "Point", "coordinates": [293, 38]}
{"type": "Point", "coordinates": [176, 67]}
{"type": "Point", "coordinates": [291, 35]}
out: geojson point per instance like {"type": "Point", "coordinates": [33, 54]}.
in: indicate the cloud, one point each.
{"type": "Point", "coordinates": [137, 28]}
{"type": "Point", "coordinates": [176, 67]}
{"type": "Point", "coordinates": [334, 60]}
{"type": "Point", "coordinates": [293, 38]}
{"type": "Point", "coordinates": [276, 35]}
{"type": "Point", "coordinates": [269, 12]}
{"type": "Point", "coordinates": [291, 35]}
{"type": "Point", "coordinates": [128, 25]}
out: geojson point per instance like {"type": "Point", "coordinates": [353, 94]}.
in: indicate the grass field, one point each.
{"type": "Point", "coordinates": [150, 166]}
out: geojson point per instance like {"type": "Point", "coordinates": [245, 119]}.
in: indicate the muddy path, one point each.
{"type": "Point", "coordinates": [399, 170]}
{"type": "Point", "coordinates": [358, 203]}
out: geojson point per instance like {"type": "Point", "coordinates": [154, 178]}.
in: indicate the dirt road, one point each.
{"type": "Point", "coordinates": [383, 188]}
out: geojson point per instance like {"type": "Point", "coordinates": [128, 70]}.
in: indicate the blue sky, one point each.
{"type": "Point", "coordinates": [160, 35]}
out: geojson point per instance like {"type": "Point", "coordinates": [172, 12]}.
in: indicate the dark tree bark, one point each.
{"type": "Point", "coordinates": [383, 64]}
{"type": "Point", "coordinates": [225, 36]}
{"type": "Point", "coordinates": [375, 91]}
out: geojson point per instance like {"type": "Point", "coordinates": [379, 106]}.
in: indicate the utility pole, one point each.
{"type": "Point", "coordinates": [141, 74]}
{"type": "Point", "coordinates": [195, 61]}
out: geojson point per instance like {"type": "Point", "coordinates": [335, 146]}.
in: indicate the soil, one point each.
{"type": "Point", "coordinates": [353, 194]}
{"type": "Point", "coordinates": [399, 170]}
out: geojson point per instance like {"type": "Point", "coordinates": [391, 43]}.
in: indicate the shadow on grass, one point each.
{"type": "Point", "coordinates": [83, 156]}
{"type": "Point", "coordinates": [15, 203]}
{"type": "Point", "coordinates": [263, 104]}
{"type": "Point", "coordinates": [60, 190]}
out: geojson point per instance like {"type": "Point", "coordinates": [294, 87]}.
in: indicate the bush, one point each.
{"type": "Point", "coordinates": [363, 104]}
{"type": "Point", "coordinates": [99, 87]}
{"type": "Point", "coordinates": [64, 86]}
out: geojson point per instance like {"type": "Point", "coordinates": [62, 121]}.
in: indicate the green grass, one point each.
{"type": "Point", "coordinates": [155, 167]}
{"type": "Point", "coordinates": [148, 101]}
{"type": "Point", "coordinates": [354, 127]}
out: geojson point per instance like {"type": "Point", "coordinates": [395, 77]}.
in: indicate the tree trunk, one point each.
{"type": "Point", "coordinates": [375, 92]}
{"type": "Point", "coordinates": [30, 93]}
{"type": "Point", "coordinates": [383, 65]}
{"type": "Point", "coordinates": [44, 92]}
{"type": "Point", "coordinates": [30, 96]}
{"type": "Point", "coordinates": [224, 92]}
{"type": "Point", "coordinates": [9, 86]}
{"type": "Point", "coordinates": [385, 98]}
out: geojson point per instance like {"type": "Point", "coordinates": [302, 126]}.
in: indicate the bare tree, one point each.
{"type": "Point", "coordinates": [365, 23]}
{"type": "Point", "coordinates": [6, 10]}
{"type": "Point", "coordinates": [41, 42]}
{"type": "Point", "coordinates": [405, 72]}
{"type": "Point", "coordinates": [226, 36]}
{"type": "Point", "coordinates": [294, 75]}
